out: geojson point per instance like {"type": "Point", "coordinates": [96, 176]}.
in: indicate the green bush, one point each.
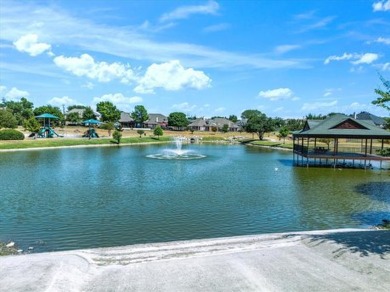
{"type": "Point", "coordinates": [11, 135]}
{"type": "Point", "coordinates": [384, 152]}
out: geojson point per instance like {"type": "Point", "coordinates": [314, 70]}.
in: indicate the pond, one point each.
{"type": "Point", "coordinates": [68, 199]}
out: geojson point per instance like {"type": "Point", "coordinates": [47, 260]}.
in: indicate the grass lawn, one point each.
{"type": "Point", "coordinates": [63, 142]}
{"type": "Point", "coordinates": [287, 145]}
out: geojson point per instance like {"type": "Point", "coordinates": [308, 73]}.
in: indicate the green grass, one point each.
{"type": "Point", "coordinates": [63, 142]}
{"type": "Point", "coordinates": [212, 138]}
{"type": "Point", "coordinates": [4, 250]}
{"type": "Point", "coordinates": [287, 145]}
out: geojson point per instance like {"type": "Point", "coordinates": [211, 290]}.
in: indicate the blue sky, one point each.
{"type": "Point", "coordinates": [204, 58]}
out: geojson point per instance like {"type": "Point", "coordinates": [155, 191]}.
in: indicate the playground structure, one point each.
{"type": "Point", "coordinates": [90, 133]}
{"type": "Point", "coordinates": [46, 131]}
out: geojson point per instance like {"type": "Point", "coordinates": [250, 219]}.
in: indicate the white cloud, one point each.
{"type": "Point", "coordinates": [318, 105]}
{"type": "Point", "coordinates": [286, 48]}
{"type": "Point", "coordinates": [184, 107]}
{"type": "Point", "coordinates": [122, 102]}
{"type": "Point", "coordinates": [356, 59]}
{"type": "Point", "coordinates": [171, 76]}
{"type": "Point", "coordinates": [367, 58]}
{"type": "Point", "coordinates": [345, 56]}
{"type": "Point", "coordinates": [382, 40]}
{"type": "Point", "coordinates": [330, 91]}
{"type": "Point", "coordinates": [216, 27]}
{"type": "Point", "coordinates": [2, 90]}
{"type": "Point", "coordinates": [185, 11]}
{"type": "Point", "coordinates": [59, 28]}
{"type": "Point", "coordinates": [14, 93]}
{"type": "Point", "coordinates": [386, 67]}
{"type": "Point", "coordinates": [277, 94]}
{"type": "Point", "coordinates": [89, 85]}
{"type": "Point", "coordinates": [29, 44]}
{"type": "Point", "coordinates": [381, 5]}
{"type": "Point", "coordinates": [85, 65]}
{"type": "Point", "coordinates": [65, 100]}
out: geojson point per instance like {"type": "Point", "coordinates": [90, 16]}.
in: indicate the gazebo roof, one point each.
{"type": "Point", "coordinates": [342, 126]}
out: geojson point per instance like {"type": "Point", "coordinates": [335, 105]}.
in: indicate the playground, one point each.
{"type": "Point", "coordinates": [46, 131]}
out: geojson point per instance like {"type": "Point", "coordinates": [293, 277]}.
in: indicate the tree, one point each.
{"type": "Point", "coordinates": [233, 118]}
{"type": "Point", "coordinates": [109, 126]}
{"type": "Point", "coordinates": [22, 110]}
{"type": "Point", "coordinates": [311, 116]}
{"type": "Point", "coordinates": [89, 114]}
{"type": "Point", "coordinates": [32, 125]}
{"type": "Point", "coordinates": [294, 124]}
{"type": "Point", "coordinates": [73, 118]}
{"type": "Point", "coordinates": [257, 122]}
{"type": "Point", "coordinates": [75, 106]}
{"type": "Point", "coordinates": [117, 136]}
{"type": "Point", "coordinates": [7, 119]}
{"type": "Point", "coordinates": [279, 123]}
{"type": "Point", "coordinates": [384, 95]}
{"type": "Point", "coordinates": [225, 128]}
{"type": "Point", "coordinates": [283, 133]}
{"type": "Point", "coordinates": [158, 132]}
{"type": "Point", "coordinates": [108, 111]}
{"type": "Point", "coordinates": [54, 110]}
{"type": "Point", "coordinates": [178, 120]}
{"type": "Point", "coordinates": [140, 133]}
{"type": "Point", "coordinates": [140, 116]}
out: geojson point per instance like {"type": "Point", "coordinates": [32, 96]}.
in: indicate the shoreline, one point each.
{"type": "Point", "coordinates": [323, 260]}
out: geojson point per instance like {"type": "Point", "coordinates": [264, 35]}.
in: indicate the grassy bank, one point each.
{"type": "Point", "coordinates": [65, 142]}
{"type": "Point", "coordinates": [272, 144]}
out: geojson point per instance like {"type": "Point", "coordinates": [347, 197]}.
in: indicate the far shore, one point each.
{"type": "Point", "coordinates": [72, 138]}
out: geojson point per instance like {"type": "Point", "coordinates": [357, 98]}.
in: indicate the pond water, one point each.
{"type": "Point", "coordinates": [97, 197]}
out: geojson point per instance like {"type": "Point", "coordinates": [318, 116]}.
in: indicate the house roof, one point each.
{"type": "Point", "coordinates": [156, 119]}
{"type": "Point", "coordinates": [367, 116]}
{"type": "Point", "coordinates": [342, 126]}
{"type": "Point", "coordinates": [200, 122]}
{"type": "Point", "coordinates": [125, 118]}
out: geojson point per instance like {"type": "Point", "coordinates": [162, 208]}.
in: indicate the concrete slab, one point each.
{"type": "Point", "coordinates": [335, 260]}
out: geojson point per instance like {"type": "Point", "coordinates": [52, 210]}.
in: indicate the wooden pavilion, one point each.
{"type": "Point", "coordinates": [340, 141]}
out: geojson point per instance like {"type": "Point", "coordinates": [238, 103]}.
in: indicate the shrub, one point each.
{"type": "Point", "coordinates": [11, 135]}
{"type": "Point", "coordinates": [117, 135]}
{"type": "Point", "coordinates": [384, 152]}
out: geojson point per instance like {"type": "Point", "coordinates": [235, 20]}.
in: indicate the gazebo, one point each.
{"type": "Point", "coordinates": [340, 141]}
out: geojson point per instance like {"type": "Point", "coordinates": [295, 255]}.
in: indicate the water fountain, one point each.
{"type": "Point", "coordinates": [177, 153]}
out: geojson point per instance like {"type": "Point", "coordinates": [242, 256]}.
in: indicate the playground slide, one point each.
{"type": "Point", "coordinates": [52, 133]}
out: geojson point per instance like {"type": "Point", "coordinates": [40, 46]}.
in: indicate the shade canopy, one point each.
{"type": "Point", "coordinates": [92, 122]}
{"type": "Point", "coordinates": [47, 116]}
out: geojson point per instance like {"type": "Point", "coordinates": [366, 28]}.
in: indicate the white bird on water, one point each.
{"type": "Point", "coordinates": [276, 169]}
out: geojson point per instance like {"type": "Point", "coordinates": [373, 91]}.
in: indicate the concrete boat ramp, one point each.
{"type": "Point", "coordinates": [333, 260]}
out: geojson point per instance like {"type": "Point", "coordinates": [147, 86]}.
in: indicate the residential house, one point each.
{"type": "Point", "coordinates": [366, 116]}
{"type": "Point", "coordinates": [155, 120]}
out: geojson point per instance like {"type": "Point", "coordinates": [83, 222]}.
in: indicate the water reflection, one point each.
{"type": "Point", "coordinates": [81, 198]}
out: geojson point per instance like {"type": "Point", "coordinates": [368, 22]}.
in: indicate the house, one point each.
{"type": "Point", "coordinates": [155, 120]}
{"type": "Point", "coordinates": [366, 116]}
{"type": "Point", "coordinates": [220, 122]}
{"type": "Point", "coordinates": [199, 124]}
{"type": "Point", "coordinates": [126, 121]}
{"type": "Point", "coordinates": [339, 140]}
{"type": "Point", "coordinates": [202, 124]}
{"type": "Point", "coordinates": [80, 112]}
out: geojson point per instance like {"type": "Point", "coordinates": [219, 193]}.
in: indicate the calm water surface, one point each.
{"type": "Point", "coordinates": [97, 197]}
